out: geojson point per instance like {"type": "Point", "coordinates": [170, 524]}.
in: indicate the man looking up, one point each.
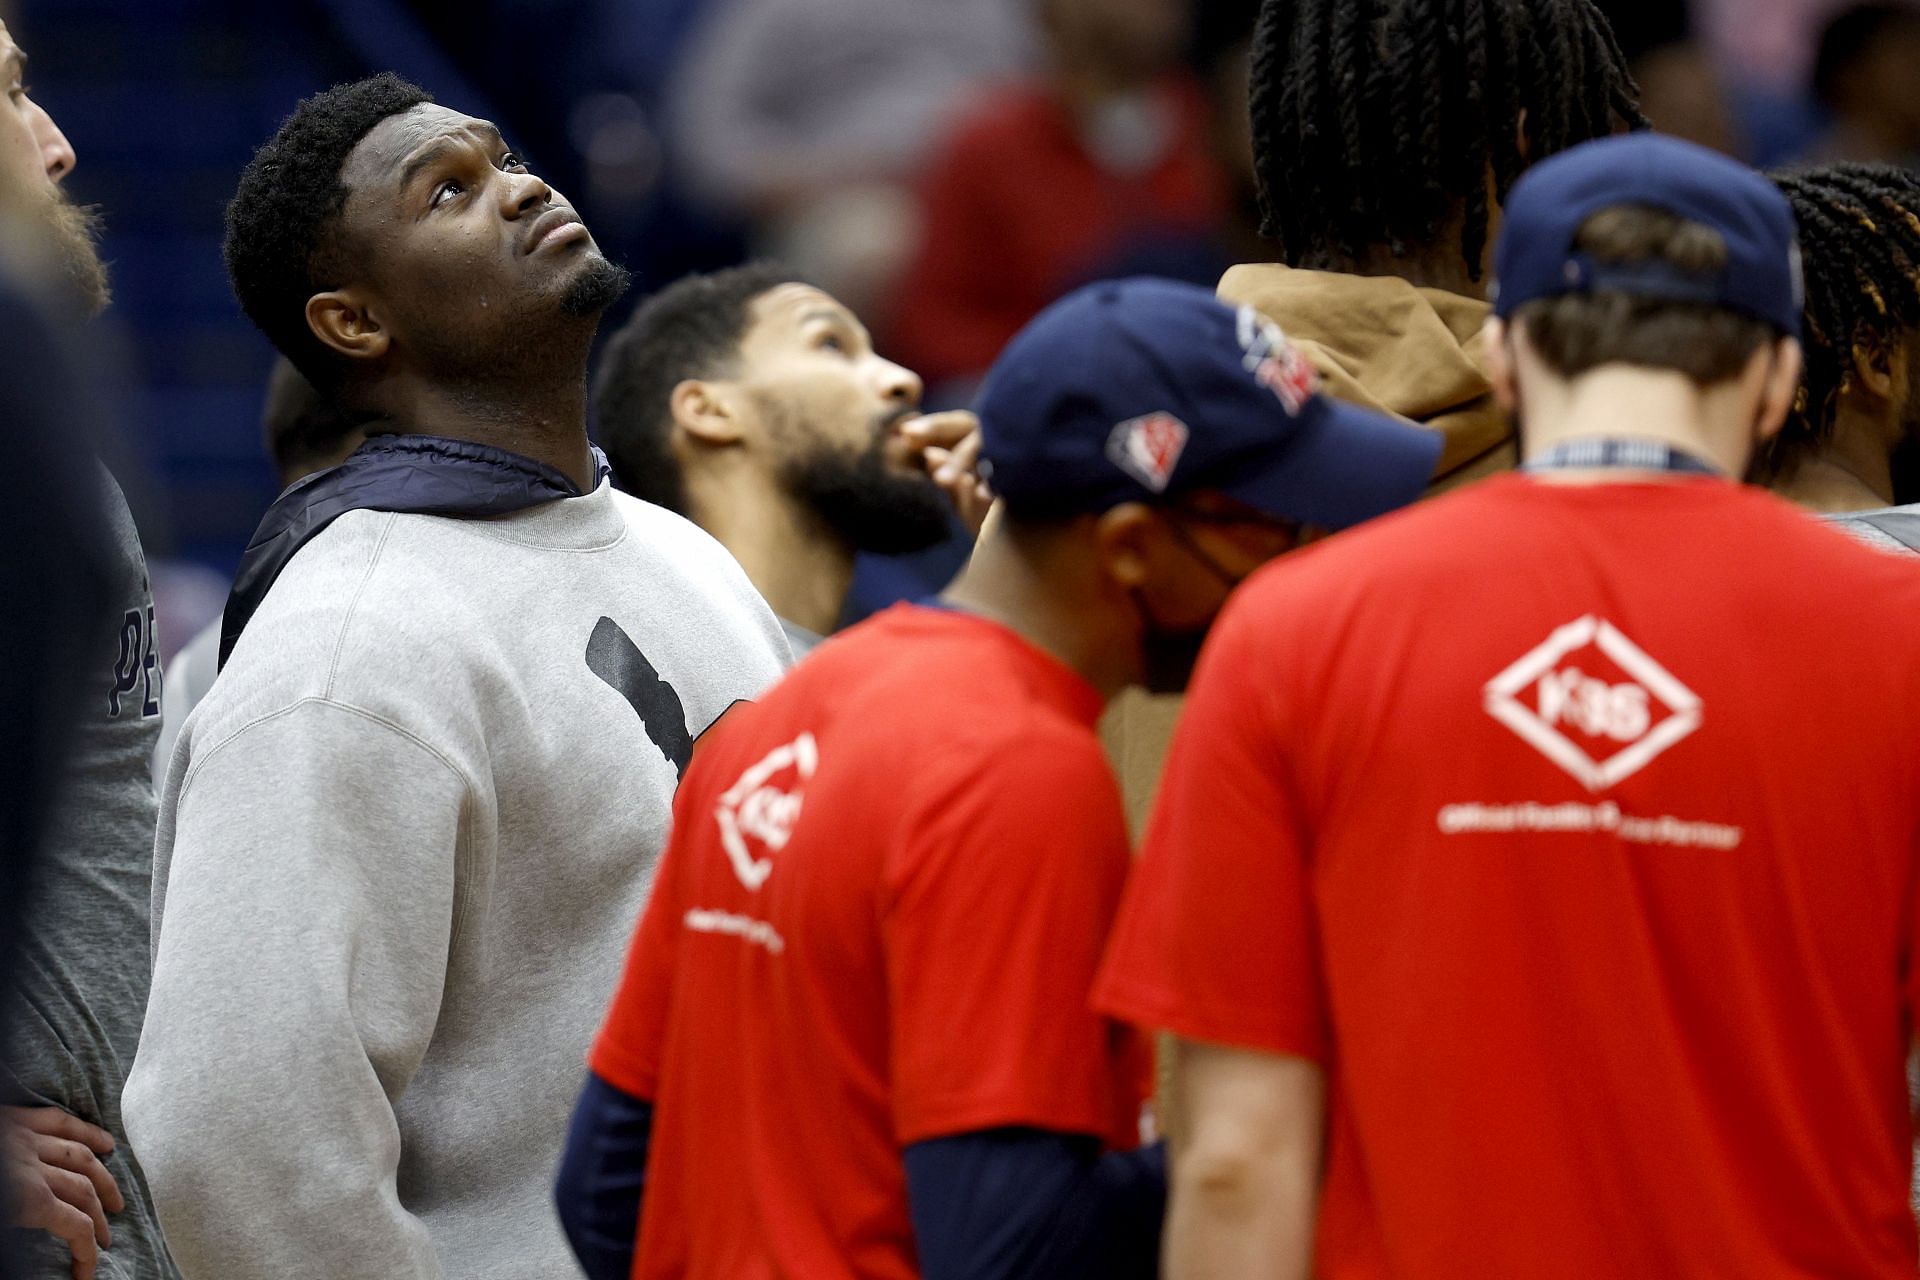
{"type": "Point", "coordinates": [894, 875]}
{"type": "Point", "coordinates": [419, 810]}
{"type": "Point", "coordinates": [1853, 439]}
{"type": "Point", "coordinates": [1505, 809]}
{"type": "Point", "coordinates": [71, 1018]}
{"type": "Point", "coordinates": [755, 405]}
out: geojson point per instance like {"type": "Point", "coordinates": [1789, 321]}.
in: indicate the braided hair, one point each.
{"type": "Point", "coordinates": [1860, 244]}
{"type": "Point", "coordinates": [1377, 122]}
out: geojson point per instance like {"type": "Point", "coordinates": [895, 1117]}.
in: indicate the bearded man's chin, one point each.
{"type": "Point", "coordinates": [76, 240]}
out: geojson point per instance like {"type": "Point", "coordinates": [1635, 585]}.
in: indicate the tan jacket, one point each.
{"type": "Point", "coordinates": [1377, 341]}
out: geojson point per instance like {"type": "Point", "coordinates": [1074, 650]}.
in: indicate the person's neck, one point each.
{"type": "Point", "coordinates": [541, 419]}
{"type": "Point", "coordinates": [1616, 402]}
{"type": "Point", "coordinates": [1430, 270]}
{"type": "Point", "coordinates": [1438, 264]}
{"type": "Point", "coordinates": [1852, 470]}
{"type": "Point", "coordinates": [798, 566]}
{"type": "Point", "coordinates": [1071, 622]}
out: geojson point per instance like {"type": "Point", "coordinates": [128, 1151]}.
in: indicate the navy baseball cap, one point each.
{"type": "Point", "coordinates": [1137, 390]}
{"type": "Point", "coordinates": [1543, 214]}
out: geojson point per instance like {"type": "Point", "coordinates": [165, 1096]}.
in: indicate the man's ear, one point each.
{"type": "Point", "coordinates": [707, 413]}
{"type": "Point", "coordinates": [1782, 385]}
{"type": "Point", "coordinates": [1873, 371]}
{"type": "Point", "coordinates": [1125, 536]}
{"type": "Point", "coordinates": [343, 323]}
{"type": "Point", "coordinates": [1499, 358]}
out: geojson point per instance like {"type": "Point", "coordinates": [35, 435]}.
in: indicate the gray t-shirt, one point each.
{"type": "Point", "coordinates": [81, 977]}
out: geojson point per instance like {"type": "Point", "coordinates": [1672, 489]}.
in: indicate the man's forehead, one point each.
{"type": "Point", "coordinates": [794, 303]}
{"type": "Point", "coordinates": [382, 154]}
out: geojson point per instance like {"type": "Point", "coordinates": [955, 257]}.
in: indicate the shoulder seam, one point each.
{"type": "Point", "coordinates": [202, 760]}
{"type": "Point", "coordinates": [353, 605]}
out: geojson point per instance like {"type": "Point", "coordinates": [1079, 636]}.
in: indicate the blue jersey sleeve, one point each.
{"type": "Point", "coordinates": [1024, 1204]}
{"type": "Point", "coordinates": [602, 1177]}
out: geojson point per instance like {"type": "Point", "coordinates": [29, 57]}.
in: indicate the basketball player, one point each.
{"type": "Point", "coordinates": [402, 839]}
{"type": "Point", "coordinates": [72, 1017]}
{"type": "Point", "coordinates": [755, 405]}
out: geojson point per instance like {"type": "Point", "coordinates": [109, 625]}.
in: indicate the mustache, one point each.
{"type": "Point", "coordinates": [885, 421]}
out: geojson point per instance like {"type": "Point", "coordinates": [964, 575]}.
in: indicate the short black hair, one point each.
{"type": "Point", "coordinates": [690, 329]}
{"type": "Point", "coordinates": [302, 429]}
{"type": "Point", "coordinates": [281, 220]}
{"type": "Point", "coordinates": [1860, 247]}
{"type": "Point", "coordinates": [1376, 122]}
{"type": "Point", "coordinates": [1848, 37]}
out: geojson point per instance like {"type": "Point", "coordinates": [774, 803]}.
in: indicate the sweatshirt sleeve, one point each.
{"type": "Point", "coordinates": [299, 964]}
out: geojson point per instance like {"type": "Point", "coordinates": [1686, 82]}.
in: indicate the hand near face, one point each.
{"type": "Point", "coordinates": [52, 1180]}
{"type": "Point", "coordinates": [948, 446]}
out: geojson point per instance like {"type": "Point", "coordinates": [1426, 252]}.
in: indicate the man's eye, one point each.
{"type": "Point", "coordinates": [512, 161]}
{"type": "Point", "coordinates": [831, 342]}
{"type": "Point", "coordinates": [443, 191]}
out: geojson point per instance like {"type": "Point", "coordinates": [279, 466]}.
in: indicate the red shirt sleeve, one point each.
{"type": "Point", "coordinates": [627, 1052]}
{"type": "Point", "coordinates": [998, 905]}
{"type": "Point", "coordinates": [1216, 938]}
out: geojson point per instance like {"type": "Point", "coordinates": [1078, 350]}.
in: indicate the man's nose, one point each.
{"type": "Point", "coordinates": [900, 384]}
{"type": "Point", "coordinates": [526, 193]}
{"type": "Point", "coordinates": [55, 151]}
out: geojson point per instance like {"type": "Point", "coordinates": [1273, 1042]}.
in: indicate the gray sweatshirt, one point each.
{"type": "Point", "coordinates": [402, 845]}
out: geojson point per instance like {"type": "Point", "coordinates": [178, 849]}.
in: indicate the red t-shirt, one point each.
{"type": "Point", "coordinates": [1573, 830]}
{"type": "Point", "coordinates": [877, 922]}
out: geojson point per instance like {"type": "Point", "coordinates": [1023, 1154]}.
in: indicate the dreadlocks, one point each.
{"type": "Point", "coordinates": [1860, 240]}
{"type": "Point", "coordinates": [1376, 122]}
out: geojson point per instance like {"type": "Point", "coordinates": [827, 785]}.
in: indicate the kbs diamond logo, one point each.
{"type": "Point", "coordinates": [1149, 448]}
{"type": "Point", "coordinates": [758, 808]}
{"type": "Point", "coordinates": [1593, 702]}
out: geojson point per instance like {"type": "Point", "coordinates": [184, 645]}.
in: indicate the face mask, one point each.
{"type": "Point", "coordinates": [1168, 654]}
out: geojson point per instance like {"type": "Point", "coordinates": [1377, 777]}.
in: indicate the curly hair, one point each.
{"type": "Point", "coordinates": [1376, 122]}
{"type": "Point", "coordinates": [281, 222]}
{"type": "Point", "coordinates": [690, 329]}
{"type": "Point", "coordinates": [1860, 246]}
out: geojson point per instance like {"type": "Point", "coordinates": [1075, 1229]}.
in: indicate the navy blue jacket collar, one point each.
{"type": "Point", "coordinates": [419, 475]}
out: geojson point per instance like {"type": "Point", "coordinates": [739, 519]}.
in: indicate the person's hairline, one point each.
{"type": "Point", "coordinates": [335, 223]}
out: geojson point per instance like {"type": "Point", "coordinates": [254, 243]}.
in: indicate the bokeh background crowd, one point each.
{"type": "Point", "coordinates": [946, 167]}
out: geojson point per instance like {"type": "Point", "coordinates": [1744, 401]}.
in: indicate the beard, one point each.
{"type": "Point", "coordinates": [868, 503]}
{"type": "Point", "coordinates": [64, 238]}
{"type": "Point", "coordinates": [598, 286]}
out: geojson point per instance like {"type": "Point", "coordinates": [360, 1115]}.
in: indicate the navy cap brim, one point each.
{"type": "Point", "coordinates": [1343, 465]}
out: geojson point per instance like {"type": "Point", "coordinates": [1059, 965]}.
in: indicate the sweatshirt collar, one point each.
{"type": "Point", "coordinates": [413, 474]}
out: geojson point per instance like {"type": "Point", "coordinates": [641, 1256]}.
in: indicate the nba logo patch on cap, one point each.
{"type": "Point", "coordinates": [1148, 448]}
{"type": "Point", "coordinates": [1274, 363]}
